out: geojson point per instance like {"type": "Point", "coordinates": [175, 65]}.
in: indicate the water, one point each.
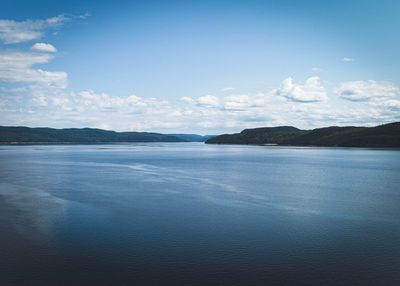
{"type": "Point", "coordinates": [196, 214]}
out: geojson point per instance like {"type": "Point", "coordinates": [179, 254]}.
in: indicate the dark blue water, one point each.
{"type": "Point", "coordinates": [195, 214]}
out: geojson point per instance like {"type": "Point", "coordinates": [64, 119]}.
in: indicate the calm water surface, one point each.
{"type": "Point", "coordinates": [195, 214]}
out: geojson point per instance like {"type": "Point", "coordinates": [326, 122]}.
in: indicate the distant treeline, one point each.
{"type": "Point", "coordinates": [20, 135]}
{"type": "Point", "coordinates": [387, 135]}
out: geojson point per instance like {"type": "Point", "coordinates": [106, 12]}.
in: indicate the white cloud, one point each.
{"type": "Point", "coordinates": [40, 97]}
{"type": "Point", "coordinates": [37, 100]}
{"type": "Point", "coordinates": [236, 102]}
{"type": "Point", "coordinates": [17, 67]}
{"type": "Point", "coordinates": [348, 60]}
{"type": "Point", "coordinates": [63, 108]}
{"type": "Point", "coordinates": [366, 90]}
{"type": "Point", "coordinates": [316, 69]}
{"type": "Point", "coordinates": [208, 101]}
{"type": "Point", "coordinates": [106, 102]}
{"type": "Point", "coordinates": [12, 32]}
{"type": "Point", "coordinates": [310, 91]}
{"type": "Point", "coordinates": [392, 104]}
{"type": "Point", "coordinates": [43, 47]}
{"type": "Point", "coordinates": [188, 100]}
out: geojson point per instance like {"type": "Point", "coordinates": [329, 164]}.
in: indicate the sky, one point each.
{"type": "Point", "coordinates": [205, 67]}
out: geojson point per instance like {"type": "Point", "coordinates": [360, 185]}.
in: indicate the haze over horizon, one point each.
{"type": "Point", "coordinates": [199, 67]}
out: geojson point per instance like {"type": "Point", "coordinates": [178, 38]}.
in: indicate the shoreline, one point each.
{"type": "Point", "coordinates": [220, 144]}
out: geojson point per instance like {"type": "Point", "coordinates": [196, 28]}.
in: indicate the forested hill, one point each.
{"type": "Point", "coordinates": [77, 136]}
{"type": "Point", "coordinates": [387, 135]}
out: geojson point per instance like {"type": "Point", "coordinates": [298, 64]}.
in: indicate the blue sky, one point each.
{"type": "Point", "coordinates": [199, 66]}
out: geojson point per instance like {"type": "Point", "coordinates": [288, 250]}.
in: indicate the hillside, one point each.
{"type": "Point", "coordinates": [77, 136]}
{"type": "Point", "coordinates": [264, 135]}
{"type": "Point", "coordinates": [387, 135]}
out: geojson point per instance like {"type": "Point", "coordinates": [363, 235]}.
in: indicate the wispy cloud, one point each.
{"type": "Point", "coordinates": [316, 69]}
{"type": "Point", "coordinates": [18, 67]}
{"type": "Point", "coordinates": [348, 60]}
{"type": "Point", "coordinates": [12, 32]}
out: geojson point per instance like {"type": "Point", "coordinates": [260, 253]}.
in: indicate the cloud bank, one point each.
{"type": "Point", "coordinates": [35, 96]}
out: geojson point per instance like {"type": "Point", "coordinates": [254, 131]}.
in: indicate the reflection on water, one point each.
{"type": "Point", "coordinates": [195, 214]}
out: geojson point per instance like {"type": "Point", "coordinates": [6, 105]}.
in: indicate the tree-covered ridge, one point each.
{"type": "Point", "coordinates": [387, 135]}
{"type": "Point", "coordinates": [76, 135]}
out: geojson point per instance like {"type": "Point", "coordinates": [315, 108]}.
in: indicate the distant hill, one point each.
{"type": "Point", "coordinates": [387, 135]}
{"type": "Point", "coordinates": [192, 137]}
{"type": "Point", "coordinates": [77, 136]}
